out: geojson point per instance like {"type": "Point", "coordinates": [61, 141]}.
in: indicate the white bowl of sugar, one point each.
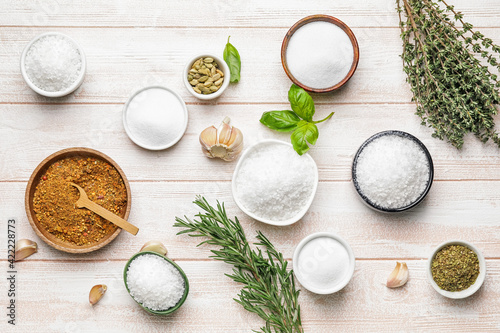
{"type": "Point", "coordinates": [323, 263]}
{"type": "Point", "coordinates": [155, 118]}
{"type": "Point", "coordinates": [53, 64]}
{"type": "Point", "coordinates": [320, 53]}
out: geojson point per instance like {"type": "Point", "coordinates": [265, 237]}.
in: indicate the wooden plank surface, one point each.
{"type": "Point", "coordinates": [336, 208]}
{"type": "Point", "coordinates": [131, 44]}
{"type": "Point", "coordinates": [223, 13]}
{"type": "Point", "coordinates": [365, 305]}
{"type": "Point", "coordinates": [54, 127]}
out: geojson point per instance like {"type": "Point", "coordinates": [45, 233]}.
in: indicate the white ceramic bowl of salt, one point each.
{"type": "Point", "coordinates": [155, 118]}
{"type": "Point", "coordinates": [323, 263]}
{"type": "Point", "coordinates": [273, 184]}
{"type": "Point", "coordinates": [53, 64]}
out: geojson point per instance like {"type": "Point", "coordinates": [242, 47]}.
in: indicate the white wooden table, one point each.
{"type": "Point", "coordinates": [133, 44]}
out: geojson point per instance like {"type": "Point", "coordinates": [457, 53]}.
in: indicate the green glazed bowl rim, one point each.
{"type": "Point", "coordinates": [186, 284]}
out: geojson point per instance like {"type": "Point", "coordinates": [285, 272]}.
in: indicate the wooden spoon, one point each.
{"type": "Point", "coordinates": [84, 202]}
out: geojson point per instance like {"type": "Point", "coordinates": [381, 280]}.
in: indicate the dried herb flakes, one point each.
{"type": "Point", "coordinates": [455, 268]}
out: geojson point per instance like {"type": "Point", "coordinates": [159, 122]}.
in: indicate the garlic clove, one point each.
{"type": "Point", "coordinates": [236, 139]}
{"type": "Point", "coordinates": [155, 246]}
{"type": "Point", "coordinates": [208, 137]}
{"type": "Point", "coordinates": [399, 276]}
{"type": "Point", "coordinates": [224, 132]}
{"type": "Point", "coordinates": [96, 293]}
{"type": "Point", "coordinates": [24, 248]}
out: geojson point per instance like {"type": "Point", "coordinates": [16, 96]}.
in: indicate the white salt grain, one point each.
{"type": "Point", "coordinates": [274, 182]}
{"type": "Point", "coordinates": [323, 263]}
{"type": "Point", "coordinates": [156, 118]}
{"type": "Point", "coordinates": [319, 55]}
{"type": "Point", "coordinates": [392, 171]}
{"type": "Point", "coordinates": [53, 63]}
{"type": "Point", "coordinates": [154, 282]}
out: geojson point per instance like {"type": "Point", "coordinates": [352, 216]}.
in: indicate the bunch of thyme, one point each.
{"type": "Point", "coordinates": [451, 69]}
{"type": "Point", "coordinates": [268, 287]}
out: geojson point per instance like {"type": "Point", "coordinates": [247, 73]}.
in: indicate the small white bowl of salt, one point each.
{"type": "Point", "coordinates": [53, 64]}
{"type": "Point", "coordinates": [323, 263]}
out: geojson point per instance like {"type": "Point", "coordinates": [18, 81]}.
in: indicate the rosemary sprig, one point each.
{"type": "Point", "coordinates": [268, 287]}
{"type": "Point", "coordinates": [454, 90]}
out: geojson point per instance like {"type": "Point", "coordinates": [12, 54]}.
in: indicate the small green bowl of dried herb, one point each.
{"type": "Point", "coordinates": [456, 269]}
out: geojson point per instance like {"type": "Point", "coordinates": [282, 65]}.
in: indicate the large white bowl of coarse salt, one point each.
{"type": "Point", "coordinates": [320, 53]}
{"type": "Point", "coordinates": [273, 184]}
{"type": "Point", "coordinates": [323, 263]}
{"type": "Point", "coordinates": [392, 171]}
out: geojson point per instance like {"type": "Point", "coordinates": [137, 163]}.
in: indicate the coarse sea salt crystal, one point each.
{"type": "Point", "coordinates": [392, 171]}
{"type": "Point", "coordinates": [274, 182]}
{"type": "Point", "coordinates": [154, 282]}
{"type": "Point", "coordinates": [53, 63]}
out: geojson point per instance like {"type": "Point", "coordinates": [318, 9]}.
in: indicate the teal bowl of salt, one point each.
{"type": "Point", "coordinates": [323, 263]}
{"type": "Point", "coordinates": [155, 282]}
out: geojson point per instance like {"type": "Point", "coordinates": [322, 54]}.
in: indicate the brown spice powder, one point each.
{"type": "Point", "coordinates": [54, 199]}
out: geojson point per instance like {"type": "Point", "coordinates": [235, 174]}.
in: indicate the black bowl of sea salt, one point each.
{"type": "Point", "coordinates": [392, 171]}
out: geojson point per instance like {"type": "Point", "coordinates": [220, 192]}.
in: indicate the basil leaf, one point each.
{"type": "Point", "coordinates": [282, 121]}
{"type": "Point", "coordinates": [232, 59]}
{"type": "Point", "coordinates": [305, 132]}
{"type": "Point", "coordinates": [301, 102]}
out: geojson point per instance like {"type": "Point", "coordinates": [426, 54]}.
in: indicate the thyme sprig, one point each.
{"type": "Point", "coordinates": [452, 70]}
{"type": "Point", "coordinates": [268, 287]}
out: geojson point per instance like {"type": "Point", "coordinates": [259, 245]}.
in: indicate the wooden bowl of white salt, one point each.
{"type": "Point", "coordinates": [320, 53]}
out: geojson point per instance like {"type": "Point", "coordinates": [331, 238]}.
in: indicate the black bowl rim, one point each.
{"type": "Point", "coordinates": [404, 135]}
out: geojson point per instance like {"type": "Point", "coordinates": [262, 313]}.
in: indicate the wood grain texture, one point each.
{"type": "Point", "coordinates": [223, 13]}
{"type": "Point", "coordinates": [120, 62]}
{"type": "Point", "coordinates": [364, 305]}
{"type": "Point", "coordinates": [452, 210]}
{"type": "Point", "coordinates": [54, 127]}
{"type": "Point", "coordinates": [131, 44]}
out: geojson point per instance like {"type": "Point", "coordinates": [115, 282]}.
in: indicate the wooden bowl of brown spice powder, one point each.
{"type": "Point", "coordinates": [50, 199]}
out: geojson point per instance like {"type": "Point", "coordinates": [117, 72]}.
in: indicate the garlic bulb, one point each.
{"type": "Point", "coordinates": [399, 276]}
{"type": "Point", "coordinates": [225, 142]}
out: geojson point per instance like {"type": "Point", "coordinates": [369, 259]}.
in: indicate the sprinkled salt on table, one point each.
{"type": "Point", "coordinates": [392, 171]}
{"type": "Point", "coordinates": [319, 54]}
{"type": "Point", "coordinates": [154, 282]}
{"type": "Point", "coordinates": [274, 182]}
{"type": "Point", "coordinates": [53, 63]}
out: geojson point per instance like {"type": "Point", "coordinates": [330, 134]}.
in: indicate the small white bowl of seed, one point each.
{"type": "Point", "coordinates": [206, 76]}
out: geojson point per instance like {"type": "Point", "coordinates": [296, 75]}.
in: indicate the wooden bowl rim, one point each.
{"type": "Point", "coordinates": [329, 19]}
{"type": "Point", "coordinates": [34, 179]}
